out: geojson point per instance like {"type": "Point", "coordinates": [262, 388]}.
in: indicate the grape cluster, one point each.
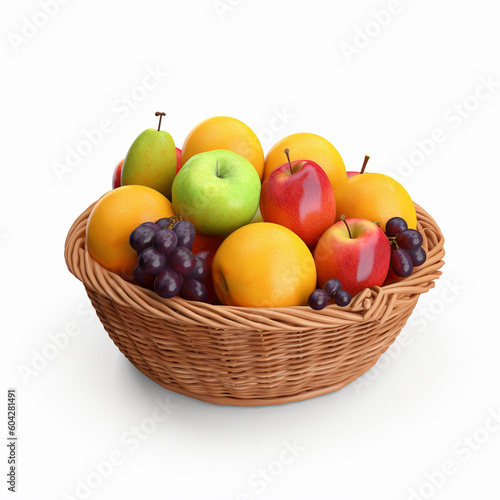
{"type": "Point", "coordinates": [331, 289]}
{"type": "Point", "coordinates": [407, 251]}
{"type": "Point", "coordinates": [166, 263]}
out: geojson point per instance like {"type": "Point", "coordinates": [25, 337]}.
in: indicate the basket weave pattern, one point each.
{"type": "Point", "coordinates": [251, 356]}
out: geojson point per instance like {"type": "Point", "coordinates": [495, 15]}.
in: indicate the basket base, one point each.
{"type": "Point", "coordinates": [232, 401]}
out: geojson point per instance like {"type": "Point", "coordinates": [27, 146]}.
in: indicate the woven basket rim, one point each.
{"type": "Point", "coordinates": [374, 303]}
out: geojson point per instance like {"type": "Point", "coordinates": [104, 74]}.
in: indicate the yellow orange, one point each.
{"type": "Point", "coordinates": [263, 265]}
{"type": "Point", "coordinates": [114, 217]}
{"type": "Point", "coordinates": [376, 197]}
{"type": "Point", "coordinates": [305, 146]}
{"type": "Point", "coordinates": [224, 132]}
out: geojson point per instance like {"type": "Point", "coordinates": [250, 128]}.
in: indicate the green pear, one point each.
{"type": "Point", "coordinates": [151, 161]}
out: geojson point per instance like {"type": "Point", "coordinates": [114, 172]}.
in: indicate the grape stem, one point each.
{"type": "Point", "coordinates": [161, 115]}
{"type": "Point", "coordinates": [287, 152]}
{"type": "Point", "coordinates": [175, 220]}
{"type": "Point", "coordinates": [392, 241]}
{"type": "Point", "coordinates": [367, 157]}
{"type": "Point", "coordinates": [342, 218]}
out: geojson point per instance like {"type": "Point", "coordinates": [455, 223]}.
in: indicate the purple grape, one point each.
{"type": "Point", "coordinates": [152, 261]}
{"type": "Point", "coordinates": [342, 298]}
{"type": "Point", "coordinates": [318, 299]}
{"type": "Point", "coordinates": [142, 278]}
{"type": "Point", "coordinates": [142, 236]}
{"type": "Point", "coordinates": [418, 256]}
{"type": "Point", "coordinates": [181, 260]}
{"type": "Point", "coordinates": [164, 222]}
{"type": "Point", "coordinates": [395, 226]}
{"type": "Point", "coordinates": [409, 239]}
{"type": "Point", "coordinates": [192, 289]}
{"type": "Point", "coordinates": [168, 283]}
{"type": "Point", "coordinates": [332, 286]}
{"type": "Point", "coordinates": [185, 232]}
{"type": "Point", "coordinates": [200, 271]}
{"type": "Point", "coordinates": [165, 240]}
{"type": "Point", "coordinates": [401, 263]}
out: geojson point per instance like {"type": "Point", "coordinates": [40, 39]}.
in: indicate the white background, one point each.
{"type": "Point", "coordinates": [429, 401]}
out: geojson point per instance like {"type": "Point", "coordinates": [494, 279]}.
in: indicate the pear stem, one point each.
{"type": "Point", "coordinates": [367, 157]}
{"type": "Point", "coordinates": [160, 114]}
{"type": "Point", "coordinates": [342, 218]}
{"type": "Point", "coordinates": [287, 152]}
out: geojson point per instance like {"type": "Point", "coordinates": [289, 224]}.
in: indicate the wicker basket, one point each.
{"type": "Point", "coordinates": [248, 356]}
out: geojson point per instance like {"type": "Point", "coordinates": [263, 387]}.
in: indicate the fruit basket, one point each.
{"type": "Point", "coordinates": [251, 356]}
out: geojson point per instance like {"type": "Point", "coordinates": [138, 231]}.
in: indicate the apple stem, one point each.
{"type": "Point", "coordinates": [217, 168]}
{"type": "Point", "coordinates": [160, 114]}
{"type": "Point", "coordinates": [342, 218]}
{"type": "Point", "coordinates": [367, 157]}
{"type": "Point", "coordinates": [287, 152]}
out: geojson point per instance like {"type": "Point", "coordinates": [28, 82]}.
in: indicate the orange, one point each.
{"type": "Point", "coordinates": [305, 146]}
{"type": "Point", "coordinates": [114, 217]}
{"type": "Point", "coordinates": [224, 132]}
{"type": "Point", "coordinates": [376, 197]}
{"type": "Point", "coordinates": [263, 265]}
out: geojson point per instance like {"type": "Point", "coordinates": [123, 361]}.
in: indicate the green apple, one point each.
{"type": "Point", "coordinates": [218, 191]}
{"type": "Point", "coordinates": [151, 161]}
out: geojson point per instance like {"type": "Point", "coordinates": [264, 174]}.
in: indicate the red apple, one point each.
{"type": "Point", "coordinates": [205, 246]}
{"type": "Point", "coordinates": [350, 174]}
{"type": "Point", "coordinates": [117, 175]}
{"type": "Point", "coordinates": [392, 277]}
{"type": "Point", "coordinates": [299, 196]}
{"type": "Point", "coordinates": [178, 153]}
{"type": "Point", "coordinates": [356, 252]}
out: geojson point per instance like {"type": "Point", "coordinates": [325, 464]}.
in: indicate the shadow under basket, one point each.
{"type": "Point", "coordinates": [251, 356]}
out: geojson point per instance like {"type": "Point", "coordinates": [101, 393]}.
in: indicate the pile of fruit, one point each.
{"type": "Point", "coordinates": [219, 222]}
